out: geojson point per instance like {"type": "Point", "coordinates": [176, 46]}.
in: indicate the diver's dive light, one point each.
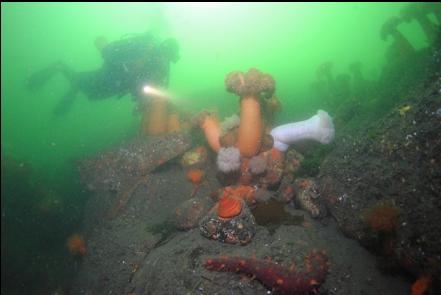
{"type": "Point", "coordinates": [155, 92]}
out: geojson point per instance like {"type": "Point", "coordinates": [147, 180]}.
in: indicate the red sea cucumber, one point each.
{"type": "Point", "coordinates": [279, 279]}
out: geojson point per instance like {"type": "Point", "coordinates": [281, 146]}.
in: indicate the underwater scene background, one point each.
{"type": "Point", "coordinates": [90, 204]}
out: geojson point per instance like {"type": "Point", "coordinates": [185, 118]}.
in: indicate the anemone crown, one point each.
{"type": "Point", "coordinates": [253, 82]}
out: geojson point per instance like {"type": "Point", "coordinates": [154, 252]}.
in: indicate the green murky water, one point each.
{"type": "Point", "coordinates": [288, 40]}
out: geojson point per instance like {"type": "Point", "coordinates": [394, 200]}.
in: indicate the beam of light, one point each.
{"type": "Point", "coordinates": [167, 95]}
{"type": "Point", "coordinates": [149, 90]}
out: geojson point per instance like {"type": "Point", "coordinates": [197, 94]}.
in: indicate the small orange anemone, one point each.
{"type": "Point", "coordinates": [420, 286]}
{"type": "Point", "coordinates": [76, 244]}
{"type": "Point", "coordinates": [229, 207]}
{"type": "Point", "coordinates": [195, 175]}
{"type": "Point", "coordinates": [276, 155]}
{"type": "Point", "coordinates": [212, 131]}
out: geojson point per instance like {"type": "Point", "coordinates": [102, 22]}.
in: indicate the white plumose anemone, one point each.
{"type": "Point", "coordinates": [319, 128]}
{"type": "Point", "coordinates": [228, 159]}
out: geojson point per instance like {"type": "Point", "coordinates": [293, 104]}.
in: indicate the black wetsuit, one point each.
{"type": "Point", "coordinates": [128, 65]}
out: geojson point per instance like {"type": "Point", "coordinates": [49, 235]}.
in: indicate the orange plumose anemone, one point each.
{"type": "Point", "coordinates": [212, 129]}
{"type": "Point", "coordinates": [251, 87]}
{"type": "Point", "coordinates": [155, 117]}
{"type": "Point", "coordinates": [174, 124]}
{"type": "Point", "coordinates": [382, 217]}
{"type": "Point", "coordinates": [420, 286]}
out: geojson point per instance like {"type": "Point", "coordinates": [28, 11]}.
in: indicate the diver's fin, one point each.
{"type": "Point", "coordinates": [66, 103]}
{"type": "Point", "coordinates": [38, 79]}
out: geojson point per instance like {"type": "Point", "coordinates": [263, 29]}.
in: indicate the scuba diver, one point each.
{"type": "Point", "coordinates": [128, 65]}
